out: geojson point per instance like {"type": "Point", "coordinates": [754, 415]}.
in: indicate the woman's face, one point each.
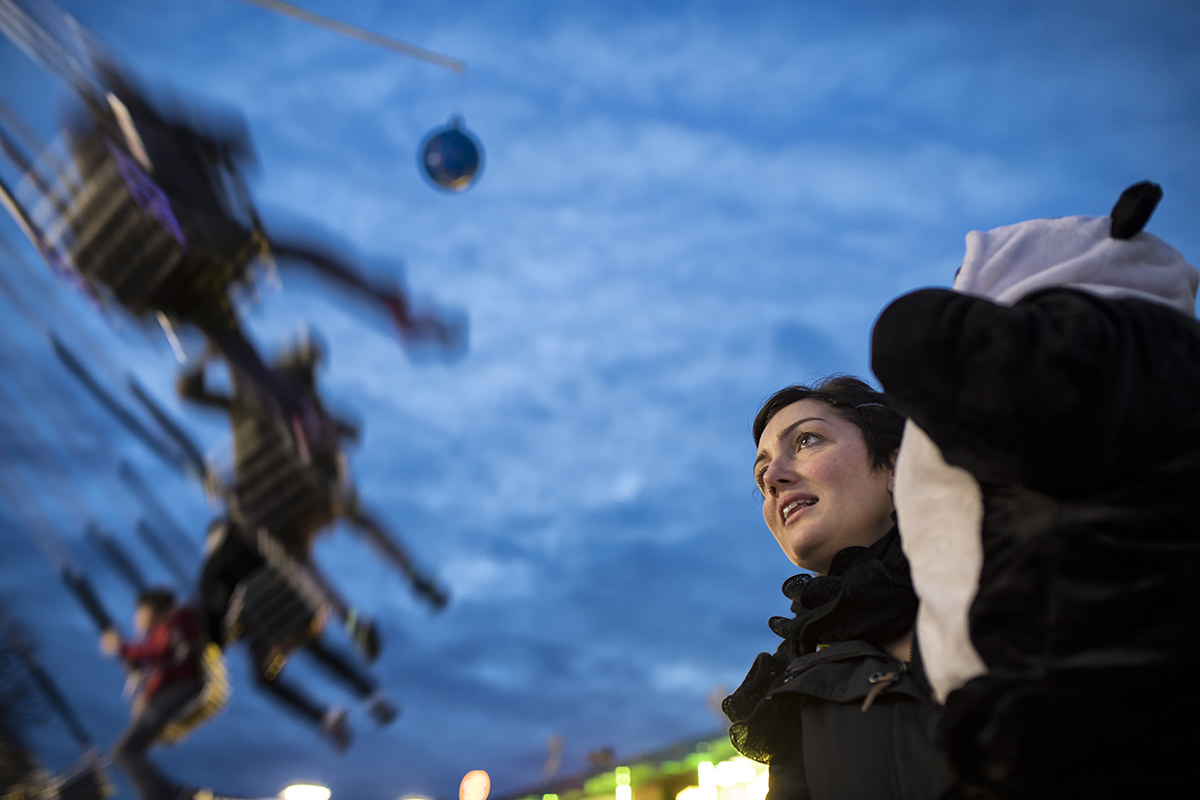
{"type": "Point", "coordinates": [820, 493]}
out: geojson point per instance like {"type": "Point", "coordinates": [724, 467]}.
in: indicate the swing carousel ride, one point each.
{"type": "Point", "coordinates": [137, 216]}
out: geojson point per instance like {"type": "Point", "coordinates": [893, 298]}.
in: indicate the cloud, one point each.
{"type": "Point", "coordinates": [687, 678]}
{"type": "Point", "coordinates": [482, 578]}
{"type": "Point", "coordinates": [680, 212]}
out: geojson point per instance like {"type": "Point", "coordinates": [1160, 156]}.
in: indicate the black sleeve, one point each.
{"type": "Point", "coordinates": [1043, 392]}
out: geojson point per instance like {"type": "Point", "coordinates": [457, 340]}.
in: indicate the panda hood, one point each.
{"type": "Point", "coordinates": [1106, 256]}
{"type": "Point", "coordinates": [939, 506]}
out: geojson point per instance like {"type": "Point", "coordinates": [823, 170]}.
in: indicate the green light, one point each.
{"type": "Point", "coordinates": [622, 775]}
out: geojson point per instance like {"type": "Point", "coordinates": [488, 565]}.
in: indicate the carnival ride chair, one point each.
{"type": "Point", "coordinates": [275, 609]}
{"type": "Point", "coordinates": [255, 593]}
{"type": "Point", "coordinates": [150, 214]}
{"type": "Point", "coordinates": [145, 214]}
{"type": "Point", "coordinates": [156, 215]}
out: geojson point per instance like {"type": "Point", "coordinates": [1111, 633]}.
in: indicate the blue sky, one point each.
{"type": "Point", "coordinates": [684, 207]}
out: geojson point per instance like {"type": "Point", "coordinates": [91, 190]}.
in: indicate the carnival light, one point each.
{"type": "Point", "coordinates": [734, 772]}
{"type": "Point", "coordinates": [706, 776]}
{"type": "Point", "coordinates": [757, 788]}
{"type": "Point", "coordinates": [623, 790]}
{"type": "Point", "coordinates": [475, 785]}
{"type": "Point", "coordinates": [305, 791]}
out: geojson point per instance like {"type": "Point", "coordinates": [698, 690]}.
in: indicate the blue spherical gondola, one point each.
{"type": "Point", "coordinates": [451, 157]}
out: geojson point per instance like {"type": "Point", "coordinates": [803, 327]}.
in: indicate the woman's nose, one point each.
{"type": "Point", "coordinates": [778, 475]}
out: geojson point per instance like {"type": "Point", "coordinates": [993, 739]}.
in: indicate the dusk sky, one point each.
{"type": "Point", "coordinates": [684, 206]}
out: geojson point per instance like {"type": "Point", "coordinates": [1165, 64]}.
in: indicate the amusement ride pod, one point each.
{"type": "Point", "coordinates": [451, 157]}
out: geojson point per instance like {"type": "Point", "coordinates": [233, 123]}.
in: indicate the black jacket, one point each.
{"type": "Point", "coordinates": [866, 729]}
{"type": "Point", "coordinates": [834, 716]}
{"type": "Point", "coordinates": [1079, 416]}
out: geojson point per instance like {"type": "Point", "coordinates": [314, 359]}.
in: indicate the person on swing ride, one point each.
{"type": "Point", "coordinates": [295, 489]}
{"type": "Point", "coordinates": [168, 656]}
{"type": "Point", "coordinates": [231, 562]}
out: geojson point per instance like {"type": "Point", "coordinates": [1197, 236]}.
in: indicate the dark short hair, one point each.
{"type": "Point", "coordinates": [854, 401]}
{"type": "Point", "coordinates": [159, 599]}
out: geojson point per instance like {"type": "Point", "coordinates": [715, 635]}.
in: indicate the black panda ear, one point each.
{"type": "Point", "coordinates": [1133, 209]}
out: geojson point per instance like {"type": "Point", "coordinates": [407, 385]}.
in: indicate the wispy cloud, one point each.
{"type": "Point", "coordinates": [680, 212]}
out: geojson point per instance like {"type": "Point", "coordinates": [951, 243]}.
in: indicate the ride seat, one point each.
{"type": "Point", "coordinates": [148, 247]}
{"type": "Point", "coordinates": [211, 701]}
{"type": "Point", "coordinates": [276, 489]}
{"type": "Point", "coordinates": [274, 615]}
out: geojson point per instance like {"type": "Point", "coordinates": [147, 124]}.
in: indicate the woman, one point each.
{"type": "Point", "coordinates": [842, 709]}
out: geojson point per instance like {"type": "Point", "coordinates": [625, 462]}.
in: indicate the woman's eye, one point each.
{"type": "Point", "coordinates": [805, 439]}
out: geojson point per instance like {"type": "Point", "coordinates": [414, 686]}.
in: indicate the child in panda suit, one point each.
{"type": "Point", "coordinates": [1048, 497]}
